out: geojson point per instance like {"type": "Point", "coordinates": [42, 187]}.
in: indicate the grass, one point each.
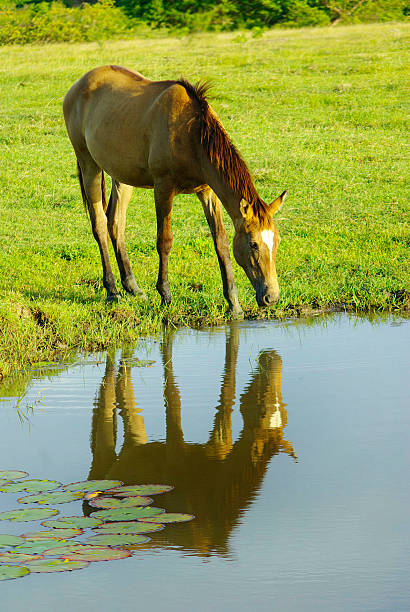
{"type": "Point", "coordinates": [319, 112]}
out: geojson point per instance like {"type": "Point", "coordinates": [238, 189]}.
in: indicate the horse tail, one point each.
{"type": "Point", "coordinates": [83, 192]}
{"type": "Point", "coordinates": [81, 181]}
{"type": "Point", "coordinates": [103, 196]}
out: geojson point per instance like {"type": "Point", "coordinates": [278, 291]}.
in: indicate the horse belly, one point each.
{"type": "Point", "coordinates": [118, 151]}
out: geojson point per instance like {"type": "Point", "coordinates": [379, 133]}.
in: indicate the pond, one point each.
{"type": "Point", "coordinates": [289, 442]}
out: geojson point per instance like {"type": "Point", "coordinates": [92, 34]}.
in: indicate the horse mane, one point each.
{"type": "Point", "coordinates": [222, 153]}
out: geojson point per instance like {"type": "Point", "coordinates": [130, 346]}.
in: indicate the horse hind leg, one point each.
{"type": "Point", "coordinates": [91, 181]}
{"type": "Point", "coordinates": [116, 216]}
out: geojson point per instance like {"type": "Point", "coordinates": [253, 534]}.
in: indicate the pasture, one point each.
{"type": "Point", "coordinates": [319, 112]}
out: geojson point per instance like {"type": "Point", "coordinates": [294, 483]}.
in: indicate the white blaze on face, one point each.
{"type": "Point", "coordinates": [267, 237]}
{"type": "Point", "coordinates": [275, 420]}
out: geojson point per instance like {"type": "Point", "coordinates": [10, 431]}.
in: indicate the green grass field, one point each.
{"type": "Point", "coordinates": [319, 112]}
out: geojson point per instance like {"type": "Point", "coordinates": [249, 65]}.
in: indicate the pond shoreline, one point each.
{"type": "Point", "coordinates": [30, 336]}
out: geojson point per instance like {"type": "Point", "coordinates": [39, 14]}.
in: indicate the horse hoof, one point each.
{"type": "Point", "coordinates": [112, 299]}
{"type": "Point", "coordinates": [131, 287]}
{"type": "Point", "coordinates": [236, 314]}
{"type": "Point", "coordinates": [137, 293]}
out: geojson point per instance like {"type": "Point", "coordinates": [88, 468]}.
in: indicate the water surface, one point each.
{"type": "Point", "coordinates": [288, 442]}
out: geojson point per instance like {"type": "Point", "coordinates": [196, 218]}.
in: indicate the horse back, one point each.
{"type": "Point", "coordinates": [134, 128]}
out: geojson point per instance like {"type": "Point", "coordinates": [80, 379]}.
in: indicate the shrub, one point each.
{"type": "Point", "coordinates": [53, 22]}
{"type": "Point", "coordinates": [301, 14]}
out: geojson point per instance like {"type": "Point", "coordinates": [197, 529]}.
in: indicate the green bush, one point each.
{"type": "Point", "coordinates": [301, 14]}
{"type": "Point", "coordinates": [377, 11]}
{"type": "Point", "coordinates": [53, 22]}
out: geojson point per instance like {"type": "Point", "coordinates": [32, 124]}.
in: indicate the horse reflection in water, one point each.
{"type": "Point", "coordinates": [215, 481]}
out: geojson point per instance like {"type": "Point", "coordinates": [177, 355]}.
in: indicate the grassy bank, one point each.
{"type": "Point", "coordinates": [318, 112]}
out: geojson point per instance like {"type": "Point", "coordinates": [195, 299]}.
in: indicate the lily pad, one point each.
{"type": "Point", "coordinates": [92, 485]}
{"type": "Point", "coordinates": [116, 539]}
{"type": "Point", "coordinates": [12, 474]}
{"type": "Point", "coordinates": [10, 540]}
{"type": "Point", "coordinates": [28, 514]}
{"type": "Point", "coordinates": [8, 572]}
{"type": "Point", "coordinates": [131, 527]}
{"type": "Point", "coordinates": [115, 502]}
{"type": "Point", "coordinates": [40, 365]}
{"type": "Point", "coordinates": [40, 546]}
{"type": "Point", "coordinates": [58, 497]}
{"type": "Point", "coordinates": [56, 565]}
{"type": "Point", "coordinates": [16, 557]}
{"type": "Point", "coordinates": [31, 486]}
{"type": "Point", "coordinates": [169, 517]}
{"type": "Point", "coordinates": [128, 514]}
{"type": "Point", "coordinates": [137, 363]}
{"type": "Point", "coordinates": [85, 362]}
{"type": "Point", "coordinates": [63, 548]}
{"type": "Point", "coordinates": [52, 534]}
{"type": "Point", "coordinates": [73, 521]}
{"type": "Point", "coordinates": [146, 489]}
{"type": "Point", "coordinates": [97, 553]}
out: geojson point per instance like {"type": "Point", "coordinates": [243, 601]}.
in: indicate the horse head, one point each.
{"type": "Point", "coordinates": [255, 245]}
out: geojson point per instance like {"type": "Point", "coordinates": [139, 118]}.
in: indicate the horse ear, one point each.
{"type": "Point", "coordinates": [276, 204]}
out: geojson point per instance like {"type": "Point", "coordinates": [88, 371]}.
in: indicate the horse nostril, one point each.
{"type": "Point", "coordinates": [269, 299]}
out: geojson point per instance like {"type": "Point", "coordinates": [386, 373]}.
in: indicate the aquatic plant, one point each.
{"type": "Point", "coordinates": [115, 539]}
{"type": "Point", "coordinates": [59, 497]}
{"type": "Point", "coordinates": [130, 527]}
{"type": "Point", "coordinates": [31, 486]}
{"type": "Point", "coordinates": [61, 534]}
{"type": "Point", "coordinates": [72, 521]}
{"type": "Point", "coordinates": [174, 517]}
{"type": "Point", "coordinates": [9, 572]}
{"type": "Point", "coordinates": [127, 514]}
{"type": "Point", "coordinates": [10, 540]}
{"type": "Point", "coordinates": [126, 502]}
{"type": "Point", "coordinates": [124, 516]}
{"type": "Point", "coordinates": [12, 474]}
{"type": "Point", "coordinates": [40, 546]}
{"type": "Point", "coordinates": [145, 489]}
{"type": "Point", "coordinates": [18, 557]}
{"type": "Point", "coordinates": [89, 486]}
{"type": "Point", "coordinates": [28, 514]}
{"type": "Point", "coordinates": [42, 566]}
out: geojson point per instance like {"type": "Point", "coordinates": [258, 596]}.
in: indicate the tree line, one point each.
{"type": "Point", "coordinates": [29, 21]}
{"type": "Point", "coordinates": [238, 14]}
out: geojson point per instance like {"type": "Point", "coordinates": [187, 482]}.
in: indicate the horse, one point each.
{"type": "Point", "coordinates": [165, 135]}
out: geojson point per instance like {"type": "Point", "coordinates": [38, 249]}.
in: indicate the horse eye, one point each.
{"type": "Point", "coordinates": [254, 246]}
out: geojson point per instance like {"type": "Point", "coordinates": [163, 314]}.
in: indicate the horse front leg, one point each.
{"type": "Point", "coordinates": [164, 195]}
{"type": "Point", "coordinates": [213, 213]}
{"type": "Point", "coordinates": [116, 215]}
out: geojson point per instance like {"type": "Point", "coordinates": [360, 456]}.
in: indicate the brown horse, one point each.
{"type": "Point", "coordinates": [164, 135]}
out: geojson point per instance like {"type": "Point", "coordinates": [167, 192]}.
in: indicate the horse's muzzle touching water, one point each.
{"type": "Point", "coordinates": [164, 135]}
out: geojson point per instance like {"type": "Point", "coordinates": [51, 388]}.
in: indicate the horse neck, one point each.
{"type": "Point", "coordinates": [230, 200]}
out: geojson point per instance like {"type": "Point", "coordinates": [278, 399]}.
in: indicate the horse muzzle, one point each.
{"type": "Point", "coordinates": [268, 299]}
